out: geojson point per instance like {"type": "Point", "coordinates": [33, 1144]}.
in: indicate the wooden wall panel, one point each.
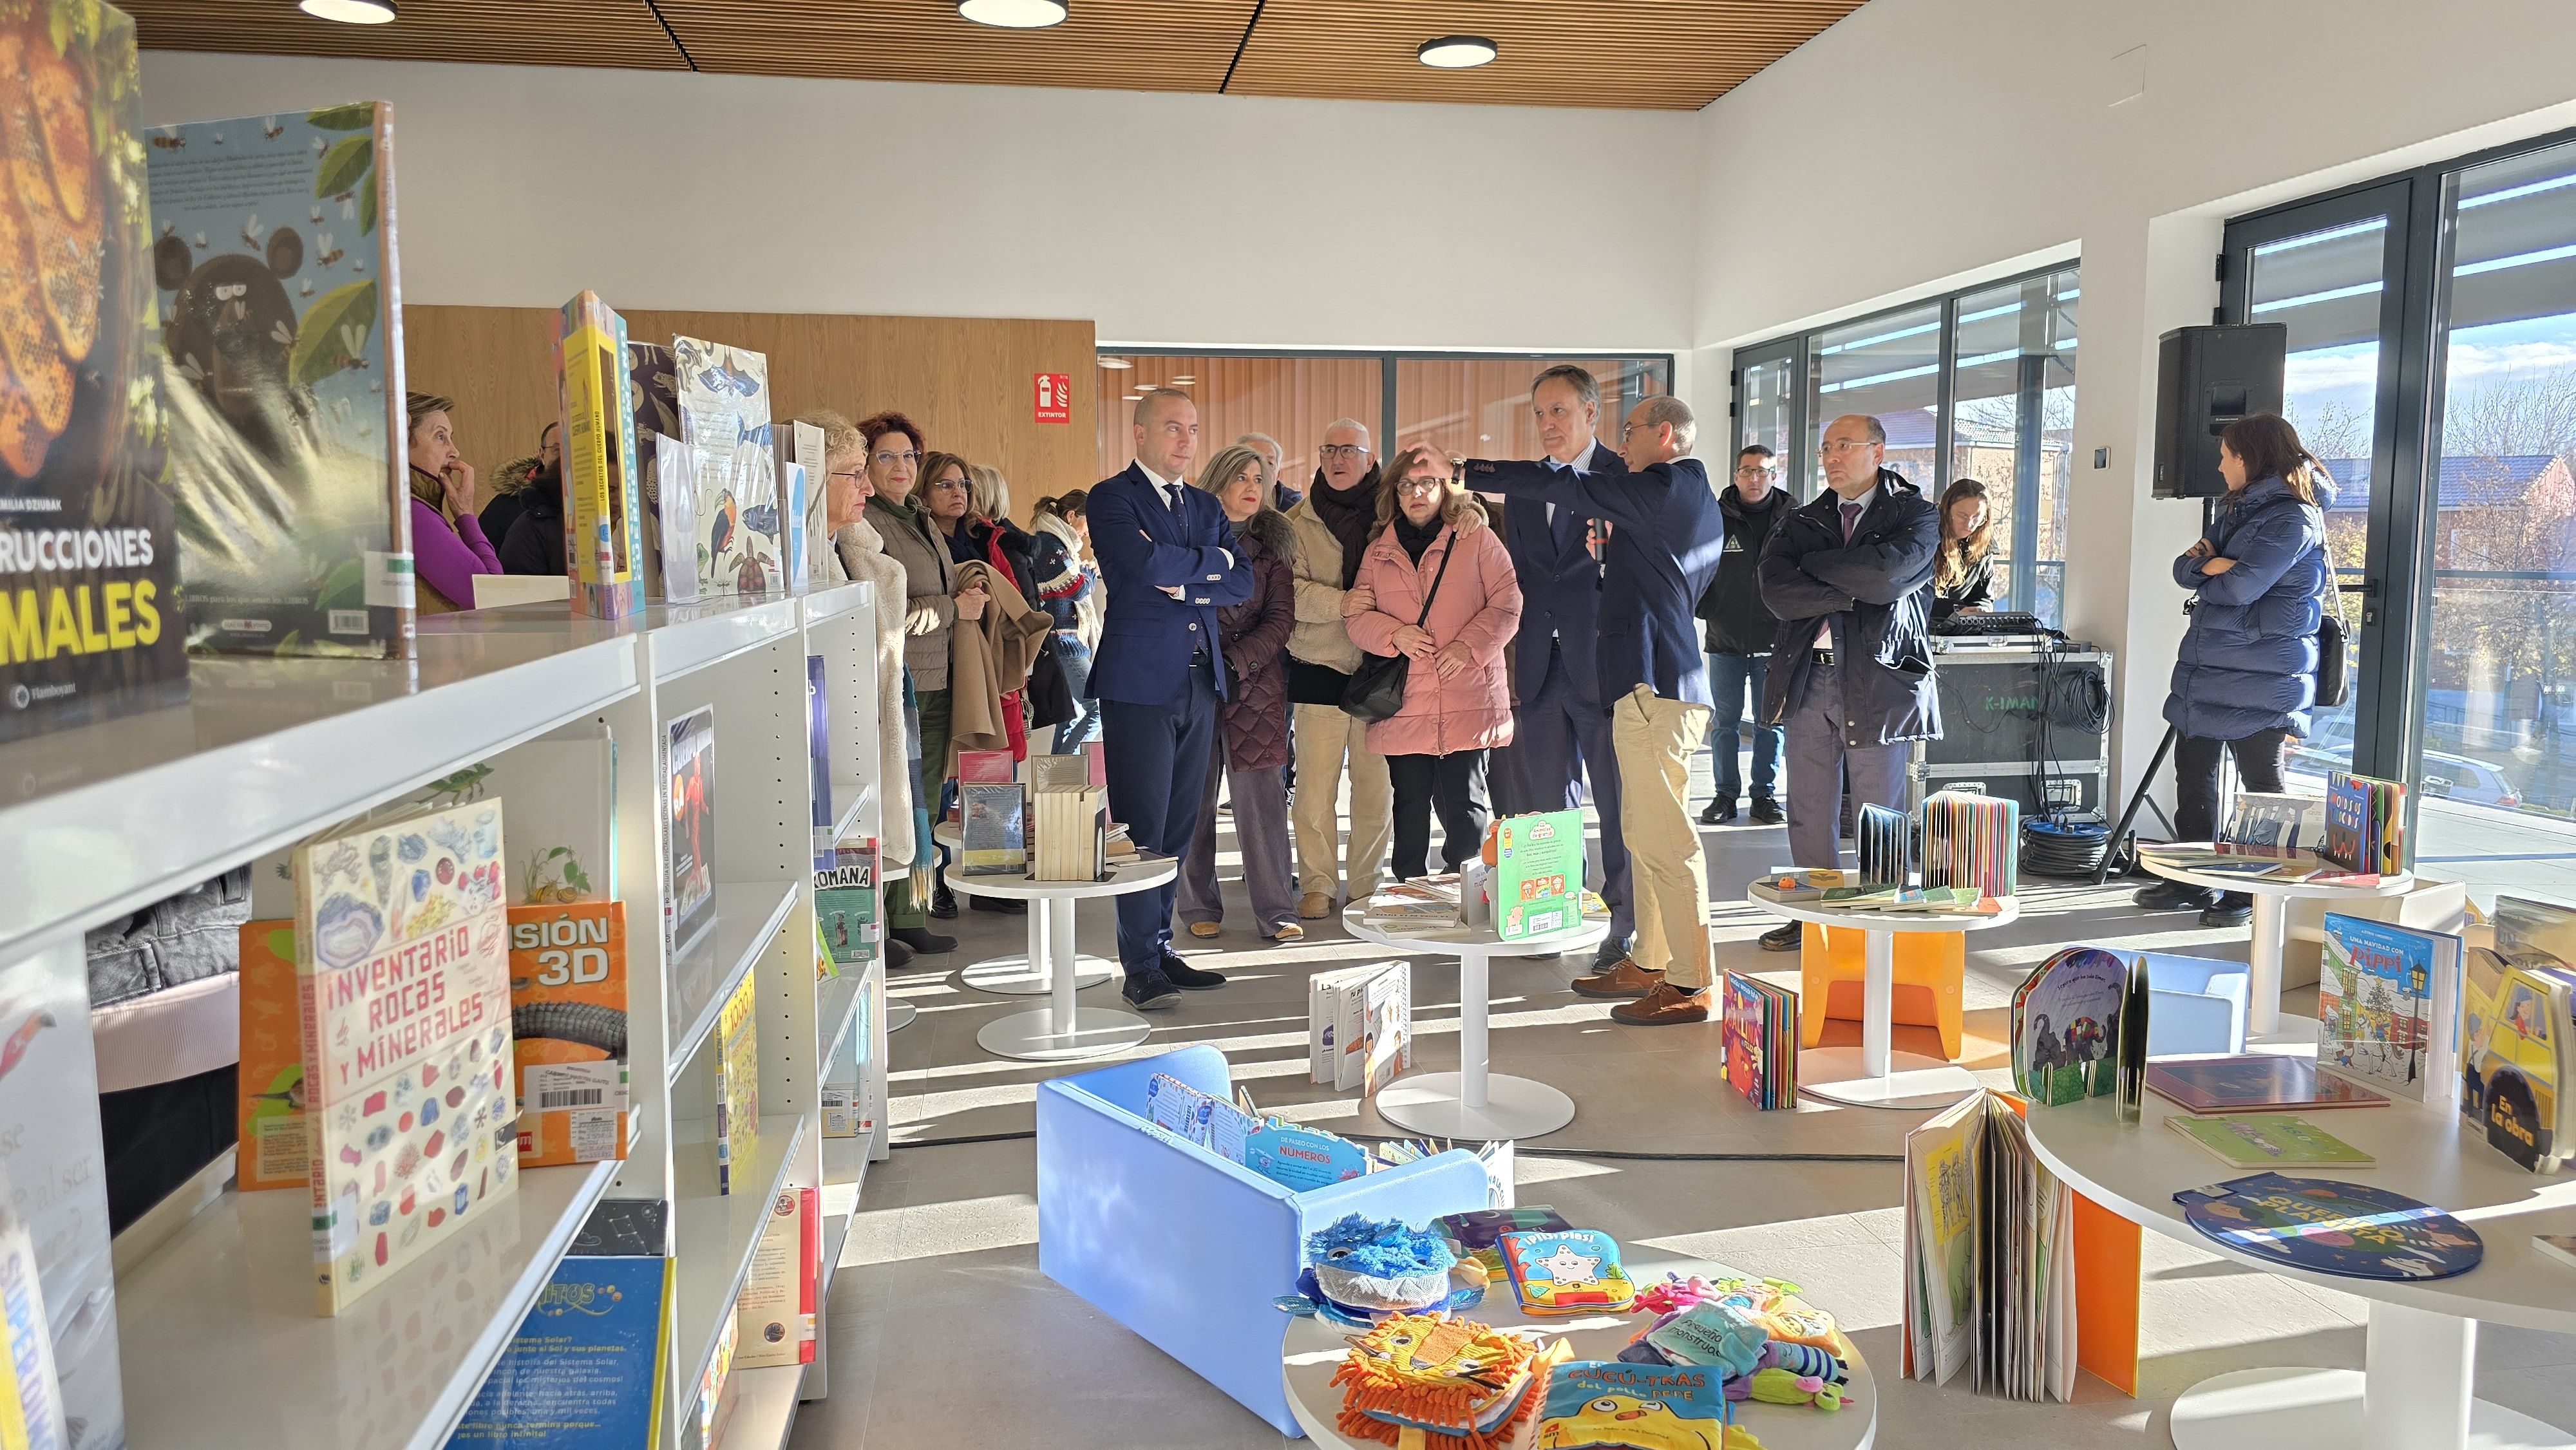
{"type": "Point", "coordinates": [1480, 407]}
{"type": "Point", "coordinates": [1291, 399]}
{"type": "Point", "coordinates": [967, 381]}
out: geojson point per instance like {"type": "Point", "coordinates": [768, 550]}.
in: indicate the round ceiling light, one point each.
{"type": "Point", "coordinates": [1457, 52]}
{"type": "Point", "coordinates": [1014, 14]}
{"type": "Point", "coordinates": [350, 12]}
{"type": "Point", "coordinates": [1116, 362]}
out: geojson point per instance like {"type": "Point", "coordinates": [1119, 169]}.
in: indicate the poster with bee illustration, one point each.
{"type": "Point", "coordinates": [89, 570]}
{"type": "Point", "coordinates": [281, 347]}
{"type": "Point", "coordinates": [724, 417]}
{"type": "Point", "coordinates": [402, 971]}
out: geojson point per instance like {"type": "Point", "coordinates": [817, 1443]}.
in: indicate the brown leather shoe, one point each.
{"type": "Point", "coordinates": [1624, 979]}
{"type": "Point", "coordinates": [1314, 906]}
{"type": "Point", "coordinates": [1666, 1006]}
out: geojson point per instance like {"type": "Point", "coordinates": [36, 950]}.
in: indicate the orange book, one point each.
{"type": "Point", "coordinates": [568, 1031]}
{"type": "Point", "coordinates": [270, 1106]}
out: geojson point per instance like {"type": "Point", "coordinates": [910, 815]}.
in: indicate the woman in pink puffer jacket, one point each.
{"type": "Point", "coordinates": [1457, 700]}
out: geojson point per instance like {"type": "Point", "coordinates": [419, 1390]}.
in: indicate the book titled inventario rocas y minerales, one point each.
{"type": "Point", "coordinates": [403, 983]}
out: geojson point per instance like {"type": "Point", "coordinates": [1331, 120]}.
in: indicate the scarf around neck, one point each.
{"type": "Point", "coordinates": [1351, 515]}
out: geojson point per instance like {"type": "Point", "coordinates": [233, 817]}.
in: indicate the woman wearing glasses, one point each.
{"type": "Point", "coordinates": [1434, 546]}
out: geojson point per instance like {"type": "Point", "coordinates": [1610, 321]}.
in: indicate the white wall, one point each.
{"type": "Point", "coordinates": [1178, 219]}
{"type": "Point", "coordinates": [1924, 143]}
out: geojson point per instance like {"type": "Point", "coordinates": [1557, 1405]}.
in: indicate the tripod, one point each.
{"type": "Point", "coordinates": [2137, 798]}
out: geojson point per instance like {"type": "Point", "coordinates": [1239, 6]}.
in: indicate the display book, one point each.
{"type": "Point", "coordinates": [2324, 1226]}
{"type": "Point", "coordinates": [2079, 1030]}
{"type": "Point", "coordinates": [1537, 874]}
{"type": "Point", "coordinates": [776, 1309]}
{"type": "Point", "coordinates": [689, 795]}
{"type": "Point", "coordinates": [846, 913]}
{"type": "Point", "coordinates": [1069, 808]}
{"type": "Point", "coordinates": [603, 502]}
{"type": "Point", "coordinates": [1971, 842]}
{"type": "Point", "coordinates": [1359, 1025]}
{"type": "Point", "coordinates": [283, 389]}
{"type": "Point", "coordinates": [2388, 1007]}
{"type": "Point", "coordinates": [2365, 824]}
{"type": "Point", "coordinates": [804, 492]}
{"type": "Point", "coordinates": [722, 398]}
{"type": "Point", "coordinates": [736, 1051]}
{"type": "Point", "coordinates": [992, 812]}
{"type": "Point", "coordinates": [90, 609]}
{"type": "Point", "coordinates": [818, 751]}
{"type": "Point", "coordinates": [1298, 1156]}
{"type": "Point", "coordinates": [1883, 841]}
{"type": "Point", "coordinates": [1758, 1034]}
{"type": "Point", "coordinates": [587, 1368]}
{"type": "Point", "coordinates": [1991, 1277]}
{"type": "Point", "coordinates": [2518, 1024]}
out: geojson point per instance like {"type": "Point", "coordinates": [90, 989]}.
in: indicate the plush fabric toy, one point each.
{"type": "Point", "coordinates": [1780, 1387]}
{"type": "Point", "coordinates": [1438, 1383]}
{"type": "Point", "coordinates": [1377, 1267]}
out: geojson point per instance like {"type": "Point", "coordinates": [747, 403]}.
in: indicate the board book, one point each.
{"type": "Point", "coordinates": [2268, 1140]}
{"type": "Point", "coordinates": [1603, 1402]}
{"type": "Point", "coordinates": [2254, 1082]}
{"type": "Point", "coordinates": [2355, 1230]}
{"type": "Point", "coordinates": [2388, 1007]}
{"type": "Point", "coordinates": [1758, 1033]}
{"type": "Point", "coordinates": [2068, 1020]}
{"type": "Point", "coordinates": [1538, 874]}
{"type": "Point", "coordinates": [1972, 841]}
{"type": "Point", "coordinates": [1566, 1271]}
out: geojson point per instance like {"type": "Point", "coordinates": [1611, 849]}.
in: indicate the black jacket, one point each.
{"type": "Point", "coordinates": [535, 544]}
{"type": "Point", "coordinates": [1738, 622]}
{"type": "Point", "coordinates": [1975, 589]}
{"type": "Point", "coordinates": [1876, 595]}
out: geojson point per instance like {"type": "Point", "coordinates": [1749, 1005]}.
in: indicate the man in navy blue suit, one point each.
{"type": "Point", "coordinates": [1162, 548]}
{"type": "Point", "coordinates": [1560, 723]}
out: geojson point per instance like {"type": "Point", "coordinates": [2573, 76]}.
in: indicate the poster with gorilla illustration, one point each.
{"type": "Point", "coordinates": [274, 254]}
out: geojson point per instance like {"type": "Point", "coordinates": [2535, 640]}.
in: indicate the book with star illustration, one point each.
{"type": "Point", "coordinates": [1567, 1271]}
{"type": "Point", "coordinates": [403, 994]}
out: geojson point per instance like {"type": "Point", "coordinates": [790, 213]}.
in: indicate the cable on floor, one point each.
{"type": "Point", "coordinates": [1619, 1155]}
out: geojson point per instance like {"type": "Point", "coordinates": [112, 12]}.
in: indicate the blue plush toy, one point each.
{"type": "Point", "coordinates": [1375, 1267]}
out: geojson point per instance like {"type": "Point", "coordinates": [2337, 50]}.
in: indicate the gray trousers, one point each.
{"type": "Point", "coordinates": [1820, 752]}
{"type": "Point", "coordinates": [1260, 799]}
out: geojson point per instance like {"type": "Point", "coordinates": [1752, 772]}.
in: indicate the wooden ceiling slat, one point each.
{"type": "Point", "coordinates": [1640, 54]}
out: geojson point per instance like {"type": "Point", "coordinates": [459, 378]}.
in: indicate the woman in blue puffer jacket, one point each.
{"type": "Point", "coordinates": [2246, 675]}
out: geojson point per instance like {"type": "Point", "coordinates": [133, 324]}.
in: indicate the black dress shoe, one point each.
{"type": "Point", "coordinates": [923, 940]}
{"type": "Point", "coordinates": [1719, 811]}
{"type": "Point", "coordinates": [1150, 992]}
{"type": "Point", "coordinates": [2232, 908]}
{"type": "Point", "coordinates": [1767, 812]}
{"type": "Point", "coordinates": [1009, 905]}
{"type": "Point", "coordinates": [2175, 896]}
{"type": "Point", "coordinates": [1189, 978]}
{"type": "Point", "coordinates": [943, 902]}
{"type": "Point", "coordinates": [898, 956]}
{"type": "Point", "coordinates": [1788, 936]}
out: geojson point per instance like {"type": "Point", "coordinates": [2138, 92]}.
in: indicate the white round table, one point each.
{"type": "Point", "coordinates": [1874, 1074]}
{"type": "Point", "coordinates": [1017, 975]}
{"type": "Point", "coordinates": [2415, 1393]}
{"type": "Point", "coordinates": [1473, 1104]}
{"type": "Point", "coordinates": [2270, 924]}
{"type": "Point", "coordinates": [1061, 1031]}
{"type": "Point", "coordinates": [1315, 1348]}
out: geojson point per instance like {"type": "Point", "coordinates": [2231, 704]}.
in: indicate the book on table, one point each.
{"type": "Point", "coordinates": [2266, 1140]}
{"type": "Point", "coordinates": [2518, 1049]}
{"type": "Point", "coordinates": [1884, 841]}
{"type": "Point", "coordinates": [2254, 1082]}
{"type": "Point", "coordinates": [1972, 841]}
{"type": "Point", "coordinates": [1538, 874]}
{"type": "Point", "coordinates": [993, 834]}
{"type": "Point", "coordinates": [2284, 822]}
{"type": "Point", "coordinates": [2388, 1007]}
{"type": "Point", "coordinates": [2365, 824]}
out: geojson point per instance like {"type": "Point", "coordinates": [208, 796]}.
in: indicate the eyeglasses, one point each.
{"type": "Point", "coordinates": [907, 457]}
{"type": "Point", "coordinates": [1748, 470]}
{"type": "Point", "coordinates": [1351, 451]}
{"type": "Point", "coordinates": [849, 473]}
{"type": "Point", "coordinates": [958, 484]}
{"type": "Point", "coordinates": [1627, 428]}
{"type": "Point", "coordinates": [1832, 446]}
{"type": "Point", "coordinates": [1431, 484]}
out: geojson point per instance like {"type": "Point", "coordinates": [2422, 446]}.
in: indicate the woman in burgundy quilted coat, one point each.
{"type": "Point", "coordinates": [1252, 724]}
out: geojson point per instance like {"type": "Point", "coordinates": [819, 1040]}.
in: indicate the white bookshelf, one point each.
{"type": "Point", "coordinates": [220, 1341]}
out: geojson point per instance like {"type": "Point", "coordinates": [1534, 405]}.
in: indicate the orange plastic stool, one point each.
{"type": "Point", "coordinates": [1931, 978]}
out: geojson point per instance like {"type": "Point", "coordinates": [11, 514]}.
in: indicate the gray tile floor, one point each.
{"type": "Point", "coordinates": [940, 1272]}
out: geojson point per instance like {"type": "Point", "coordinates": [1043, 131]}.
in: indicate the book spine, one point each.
{"type": "Point", "coordinates": [308, 1011]}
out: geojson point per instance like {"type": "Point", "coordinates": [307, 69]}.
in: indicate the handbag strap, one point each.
{"type": "Point", "coordinates": [2334, 593]}
{"type": "Point", "coordinates": [1436, 576]}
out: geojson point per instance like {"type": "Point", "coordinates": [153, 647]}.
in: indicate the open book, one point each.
{"type": "Point", "coordinates": [1989, 1255]}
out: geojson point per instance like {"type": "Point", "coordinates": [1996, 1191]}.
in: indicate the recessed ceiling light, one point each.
{"type": "Point", "coordinates": [1014, 14]}
{"type": "Point", "coordinates": [350, 12]}
{"type": "Point", "coordinates": [1116, 362]}
{"type": "Point", "coordinates": [1456, 52]}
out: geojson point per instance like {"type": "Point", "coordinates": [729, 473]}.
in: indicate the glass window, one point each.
{"type": "Point", "coordinates": [1480, 407]}
{"type": "Point", "coordinates": [2497, 659]}
{"type": "Point", "coordinates": [2012, 428]}
{"type": "Point", "coordinates": [1890, 366]}
{"type": "Point", "coordinates": [1290, 398]}
{"type": "Point", "coordinates": [1766, 408]}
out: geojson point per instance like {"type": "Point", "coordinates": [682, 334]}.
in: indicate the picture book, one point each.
{"type": "Point", "coordinates": [604, 505]}
{"type": "Point", "coordinates": [587, 1367]}
{"type": "Point", "coordinates": [1359, 1018]}
{"type": "Point", "coordinates": [845, 906]}
{"type": "Point", "coordinates": [689, 794]}
{"type": "Point", "coordinates": [1759, 1037]}
{"type": "Point", "coordinates": [31, 1407]}
{"type": "Point", "coordinates": [1302, 1157]}
{"type": "Point", "coordinates": [1884, 840]}
{"type": "Point", "coordinates": [2254, 1082]}
{"type": "Point", "coordinates": [2388, 1007]}
{"type": "Point", "coordinates": [568, 1031]}
{"type": "Point", "coordinates": [2365, 824]}
{"type": "Point", "coordinates": [776, 1306]}
{"type": "Point", "coordinates": [402, 970]}
{"type": "Point", "coordinates": [991, 767]}
{"type": "Point", "coordinates": [2282, 821]}
{"type": "Point", "coordinates": [2266, 1140]}
{"type": "Point", "coordinates": [2535, 933]}
{"type": "Point", "coordinates": [2515, 1059]}
{"type": "Point", "coordinates": [995, 832]}
{"type": "Point", "coordinates": [1538, 874]}
{"type": "Point", "coordinates": [716, 1398]}
{"type": "Point", "coordinates": [1602, 1402]}
{"type": "Point", "coordinates": [1211, 1123]}
{"type": "Point", "coordinates": [818, 749]}
{"type": "Point", "coordinates": [737, 1061]}
{"type": "Point", "coordinates": [1790, 883]}
{"type": "Point", "coordinates": [1990, 1256]}
{"type": "Point", "coordinates": [808, 523]}
{"type": "Point", "coordinates": [2327, 1227]}
{"type": "Point", "coordinates": [281, 317]}
{"type": "Point", "coordinates": [724, 414]}
{"type": "Point", "coordinates": [2066, 1026]}
{"type": "Point", "coordinates": [1971, 841]}
{"type": "Point", "coordinates": [2558, 1247]}
{"type": "Point", "coordinates": [1386, 1027]}
{"type": "Point", "coordinates": [90, 611]}
{"type": "Point", "coordinates": [1941, 1205]}
{"type": "Point", "coordinates": [656, 394]}
{"type": "Point", "coordinates": [1434, 1380]}
{"type": "Point", "coordinates": [269, 1081]}
{"type": "Point", "coordinates": [674, 510]}
{"type": "Point", "coordinates": [1566, 1271]}
{"type": "Point", "coordinates": [1478, 1230]}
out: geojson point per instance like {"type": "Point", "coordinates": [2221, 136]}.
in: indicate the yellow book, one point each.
{"type": "Point", "coordinates": [604, 526]}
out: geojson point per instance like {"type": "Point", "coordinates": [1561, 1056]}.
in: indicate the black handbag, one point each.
{"type": "Point", "coordinates": [2334, 649]}
{"type": "Point", "coordinates": [1376, 690]}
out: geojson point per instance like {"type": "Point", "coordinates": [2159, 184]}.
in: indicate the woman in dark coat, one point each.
{"type": "Point", "coordinates": [1963, 577]}
{"type": "Point", "coordinates": [2246, 675]}
{"type": "Point", "coordinates": [1252, 723]}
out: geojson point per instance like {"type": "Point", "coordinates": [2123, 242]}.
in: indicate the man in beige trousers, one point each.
{"type": "Point", "coordinates": [1333, 524]}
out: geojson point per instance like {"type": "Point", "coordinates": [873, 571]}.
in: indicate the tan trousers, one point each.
{"type": "Point", "coordinates": [1326, 859]}
{"type": "Point", "coordinates": [1653, 739]}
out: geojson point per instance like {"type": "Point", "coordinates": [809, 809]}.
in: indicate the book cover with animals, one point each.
{"type": "Point", "coordinates": [568, 1031]}
{"type": "Point", "coordinates": [2387, 1003]}
{"type": "Point", "coordinates": [402, 970]}
{"type": "Point", "coordinates": [689, 794]}
{"type": "Point", "coordinates": [274, 255]}
{"type": "Point", "coordinates": [1615, 1403]}
{"type": "Point", "coordinates": [724, 417]}
{"type": "Point", "coordinates": [90, 622]}
{"type": "Point", "coordinates": [2066, 1027]}
{"type": "Point", "coordinates": [604, 512]}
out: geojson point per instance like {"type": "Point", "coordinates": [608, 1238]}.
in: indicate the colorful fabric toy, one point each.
{"type": "Point", "coordinates": [1377, 1267]}
{"type": "Point", "coordinates": [1567, 1271]}
{"type": "Point", "coordinates": [1719, 1335]}
{"type": "Point", "coordinates": [1606, 1405]}
{"type": "Point", "coordinates": [1444, 1384]}
{"type": "Point", "coordinates": [1675, 1292]}
{"type": "Point", "coordinates": [1780, 1387]}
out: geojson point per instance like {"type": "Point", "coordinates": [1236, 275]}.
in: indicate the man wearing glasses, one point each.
{"type": "Point", "coordinates": [1665, 537]}
{"type": "Point", "coordinates": [1740, 633]}
{"type": "Point", "coordinates": [1850, 576]}
{"type": "Point", "coordinates": [1332, 527]}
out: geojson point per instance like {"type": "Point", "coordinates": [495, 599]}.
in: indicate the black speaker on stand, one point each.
{"type": "Point", "coordinates": [2207, 378]}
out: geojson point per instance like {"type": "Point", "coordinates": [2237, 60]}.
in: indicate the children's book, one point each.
{"type": "Point", "coordinates": [1567, 1271]}
{"type": "Point", "coordinates": [738, 1088]}
{"type": "Point", "coordinates": [2388, 1007]}
{"type": "Point", "coordinates": [1359, 1025]}
{"type": "Point", "coordinates": [1990, 1256]}
{"type": "Point", "coordinates": [1884, 839]}
{"type": "Point", "coordinates": [2327, 1227]}
{"type": "Point", "coordinates": [31, 1407]}
{"type": "Point", "coordinates": [818, 750]}
{"type": "Point", "coordinates": [2286, 822]}
{"type": "Point", "coordinates": [689, 794]}
{"type": "Point", "coordinates": [1791, 883]}
{"type": "Point", "coordinates": [2516, 1058]}
{"type": "Point", "coordinates": [1538, 874]}
{"type": "Point", "coordinates": [586, 1369]}
{"type": "Point", "coordinates": [2254, 1082]}
{"type": "Point", "coordinates": [1611, 1403]}
{"type": "Point", "coordinates": [2267, 1140]}
{"type": "Point", "coordinates": [845, 906]}
{"type": "Point", "coordinates": [800, 448]}
{"type": "Point", "coordinates": [724, 415]}
{"type": "Point", "coordinates": [91, 618]}
{"type": "Point", "coordinates": [282, 320]}
{"type": "Point", "coordinates": [1972, 842]}
{"type": "Point", "coordinates": [2560, 1247]}
{"type": "Point", "coordinates": [2067, 1025]}
{"type": "Point", "coordinates": [994, 831]}
{"type": "Point", "coordinates": [1758, 1035]}
{"type": "Point", "coordinates": [603, 503]}
{"type": "Point", "coordinates": [269, 1081]}
{"type": "Point", "coordinates": [2365, 824]}
{"type": "Point", "coordinates": [568, 1031]}
{"type": "Point", "coordinates": [776, 1306]}
{"type": "Point", "coordinates": [2535, 933]}
{"type": "Point", "coordinates": [402, 970]}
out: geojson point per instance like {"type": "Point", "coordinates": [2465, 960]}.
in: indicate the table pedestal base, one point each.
{"type": "Point", "coordinates": [2414, 1395]}
{"type": "Point", "coordinates": [899, 1015]}
{"type": "Point", "coordinates": [1435, 1104]}
{"type": "Point", "coordinates": [1032, 1036]}
{"type": "Point", "coordinates": [1912, 1081]}
{"type": "Point", "coordinates": [1016, 976]}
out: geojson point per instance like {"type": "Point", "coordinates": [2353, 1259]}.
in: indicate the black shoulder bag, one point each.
{"type": "Point", "coordinates": [1376, 690]}
{"type": "Point", "coordinates": [2334, 648]}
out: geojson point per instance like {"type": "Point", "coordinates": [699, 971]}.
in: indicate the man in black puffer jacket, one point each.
{"type": "Point", "coordinates": [1740, 629]}
{"type": "Point", "coordinates": [1850, 576]}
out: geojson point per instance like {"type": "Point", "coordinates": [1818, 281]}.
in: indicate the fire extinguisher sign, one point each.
{"type": "Point", "coordinates": [1055, 397]}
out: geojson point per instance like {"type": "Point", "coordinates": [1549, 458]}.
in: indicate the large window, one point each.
{"type": "Point", "coordinates": [1973, 385]}
{"type": "Point", "coordinates": [1473, 405]}
{"type": "Point", "coordinates": [2433, 366]}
